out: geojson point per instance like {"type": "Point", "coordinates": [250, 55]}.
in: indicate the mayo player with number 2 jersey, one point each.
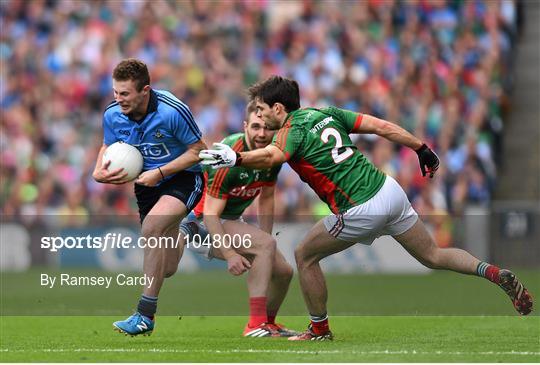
{"type": "Point", "coordinates": [364, 201]}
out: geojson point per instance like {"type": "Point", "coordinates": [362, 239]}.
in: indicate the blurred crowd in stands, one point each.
{"type": "Point", "coordinates": [442, 69]}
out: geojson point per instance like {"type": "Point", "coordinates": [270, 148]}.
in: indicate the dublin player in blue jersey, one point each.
{"type": "Point", "coordinates": [163, 129]}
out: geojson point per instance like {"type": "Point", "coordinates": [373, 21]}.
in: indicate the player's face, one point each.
{"type": "Point", "coordinates": [131, 101]}
{"type": "Point", "coordinates": [257, 134]}
{"type": "Point", "coordinates": [269, 115]}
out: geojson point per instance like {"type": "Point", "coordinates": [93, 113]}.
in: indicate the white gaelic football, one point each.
{"type": "Point", "coordinates": [124, 155]}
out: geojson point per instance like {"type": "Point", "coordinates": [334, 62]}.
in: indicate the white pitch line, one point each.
{"type": "Point", "coordinates": [261, 351]}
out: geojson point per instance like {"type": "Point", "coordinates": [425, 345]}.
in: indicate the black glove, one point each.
{"type": "Point", "coordinates": [429, 161]}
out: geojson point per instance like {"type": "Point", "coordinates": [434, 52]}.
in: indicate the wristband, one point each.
{"type": "Point", "coordinates": [422, 148]}
{"type": "Point", "coordinates": [161, 172]}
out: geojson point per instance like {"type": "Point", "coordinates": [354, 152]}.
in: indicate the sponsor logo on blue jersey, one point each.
{"type": "Point", "coordinates": [154, 151]}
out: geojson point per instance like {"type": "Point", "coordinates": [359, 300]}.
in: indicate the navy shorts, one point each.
{"type": "Point", "coordinates": [186, 186]}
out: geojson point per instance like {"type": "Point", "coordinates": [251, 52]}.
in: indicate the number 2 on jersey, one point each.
{"type": "Point", "coordinates": [336, 156]}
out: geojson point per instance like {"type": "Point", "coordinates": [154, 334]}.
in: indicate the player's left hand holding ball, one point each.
{"type": "Point", "coordinates": [219, 157]}
{"type": "Point", "coordinates": [121, 163]}
{"type": "Point", "coordinates": [116, 176]}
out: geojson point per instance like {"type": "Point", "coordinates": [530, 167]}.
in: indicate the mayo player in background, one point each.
{"type": "Point", "coordinates": [163, 129]}
{"type": "Point", "coordinates": [228, 193]}
{"type": "Point", "coordinates": [364, 201]}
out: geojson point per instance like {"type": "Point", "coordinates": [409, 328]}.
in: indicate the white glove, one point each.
{"type": "Point", "coordinates": [219, 157]}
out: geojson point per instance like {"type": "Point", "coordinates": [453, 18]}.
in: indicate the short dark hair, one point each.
{"type": "Point", "coordinates": [277, 89]}
{"type": "Point", "coordinates": [251, 107]}
{"type": "Point", "coordinates": [132, 69]}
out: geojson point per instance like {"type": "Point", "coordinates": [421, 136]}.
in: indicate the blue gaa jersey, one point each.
{"type": "Point", "coordinates": [163, 135]}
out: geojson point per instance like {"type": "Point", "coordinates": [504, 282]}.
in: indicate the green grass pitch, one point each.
{"type": "Point", "coordinates": [440, 317]}
{"type": "Point", "coordinates": [217, 339]}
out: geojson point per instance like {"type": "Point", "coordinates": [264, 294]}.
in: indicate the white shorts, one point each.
{"type": "Point", "coordinates": [388, 212]}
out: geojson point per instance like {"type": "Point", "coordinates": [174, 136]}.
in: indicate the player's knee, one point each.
{"type": "Point", "coordinates": [267, 247]}
{"type": "Point", "coordinates": [304, 257]}
{"type": "Point", "coordinates": [155, 227]}
{"type": "Point", "coordinates": [170, 270]}
{"type": "Point", "coordinates": [170, 273]}
{"type": "Point", "coordinates": [152, 231]}
{"type": "Point", "coordinates": [283, 272]}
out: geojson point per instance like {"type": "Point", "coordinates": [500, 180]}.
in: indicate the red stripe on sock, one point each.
{"type": "Point", "coordinates": [257, 311]}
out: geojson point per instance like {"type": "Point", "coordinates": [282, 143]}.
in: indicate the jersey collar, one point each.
{"type": "Point", "coordinates": [153, 103]}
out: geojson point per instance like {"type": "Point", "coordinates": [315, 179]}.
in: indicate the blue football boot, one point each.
{"type": "Point", "coordinates": [137, 324]}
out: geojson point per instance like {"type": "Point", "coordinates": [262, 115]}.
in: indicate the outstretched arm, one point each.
{"type": "Point", "coordinates": [429, 161]}
{"type": "Point", "coordinates": [224, 156]}
{"type": "Point", "coordinates": [388, 130]}
{"type": "Point", "coordinates": [263, 158]}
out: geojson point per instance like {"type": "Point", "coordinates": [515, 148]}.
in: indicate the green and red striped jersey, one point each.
{"type": "Point", "coordinates": [317, 146]}
{"type": "Point", "coordinates": [238, 185]}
